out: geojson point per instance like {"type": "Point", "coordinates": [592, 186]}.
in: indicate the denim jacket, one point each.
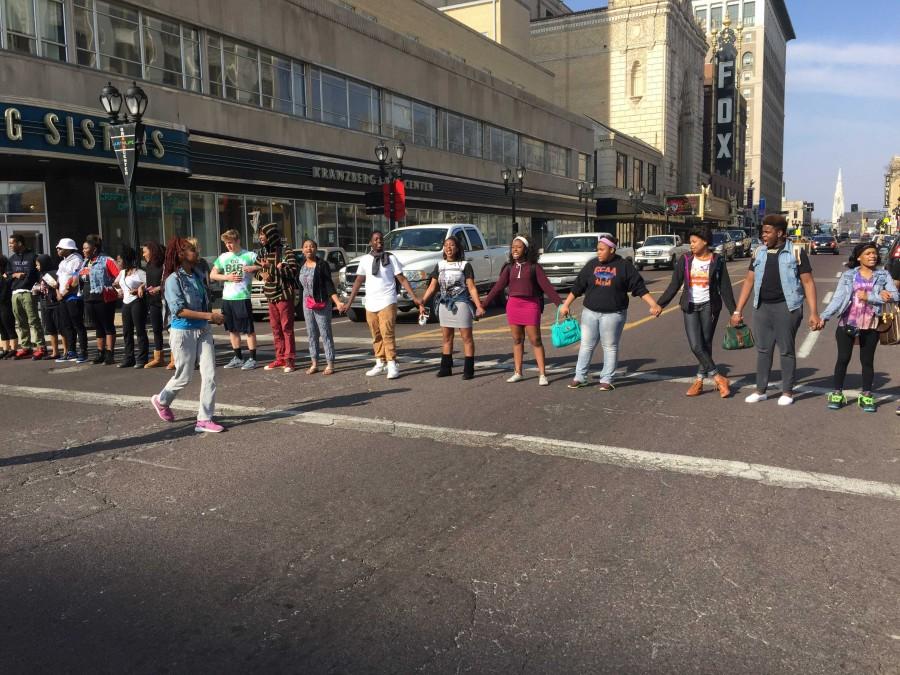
{"type": "Point", "coordinates": [185, 292]}
{"type": "Point", "coordinates": [787, 268]}
{"type": "Point", "coordinates": [843, 294]}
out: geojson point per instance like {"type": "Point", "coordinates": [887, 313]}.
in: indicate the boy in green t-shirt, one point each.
{"type": "Point", "coordinates": [235, 268]}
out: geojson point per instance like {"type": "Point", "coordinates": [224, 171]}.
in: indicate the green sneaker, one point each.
{"type": "Point", "coordinates": [836, 400]}
{"type": "Point", "coordinates": [867, 403]}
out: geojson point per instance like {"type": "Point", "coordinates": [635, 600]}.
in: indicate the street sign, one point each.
{"type": "Point", "coordinates": [123, 145]}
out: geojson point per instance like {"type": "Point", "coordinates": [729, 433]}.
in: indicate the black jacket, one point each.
{"type": "Point", "coordinates": [719, 285]}
{"type": "Point", "coordinates": [154, 278]}
{"type": "Point", "coordinates": [323, 284]}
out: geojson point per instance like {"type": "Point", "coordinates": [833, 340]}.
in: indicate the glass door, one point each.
{"type": "Point", "coordinates": [35, 237]}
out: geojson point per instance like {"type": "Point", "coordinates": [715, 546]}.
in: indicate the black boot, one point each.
{"type": "Point", "coordinates": [469, 368]}
{"type": "Point", "coordinates": [100, 358]}
{"type": "Point", "coordinates": [110, 357]}
{"type": "Point", "coordinates": [446, 365]}
{"type": "Point", "coordinates": [128, 362]}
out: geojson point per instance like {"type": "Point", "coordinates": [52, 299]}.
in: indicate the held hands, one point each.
{"type": "Point", "coordinates": [816, 322]}
{"type": "Point", "coordinates": [737, 319]}
{"type": "Point", "coordinates": [886, 296]}
{"type": "Point", "coordinates": [564, 310]}
{"type": "Point", "coordinates": [217, 318]}
{"type": "Point", "coordinates": [140, 291]}
{"type": "Point", "coordinates": [480, 311]}
{"type": "Point", "coordinates": [656, 310]}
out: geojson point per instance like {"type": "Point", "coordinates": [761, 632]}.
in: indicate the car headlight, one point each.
{"type": "Point", "coordinates": [342, 276]}
{"type": "Point", "coordinates": [415, 275]}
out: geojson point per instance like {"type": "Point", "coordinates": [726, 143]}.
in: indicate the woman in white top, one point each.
{"type": "Point", "coordinates": [458, 305]}
{"type": "Point", "coordinates": [134, 308]}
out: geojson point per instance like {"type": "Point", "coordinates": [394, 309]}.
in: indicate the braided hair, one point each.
{"type": "Point", "coordinates": [175, 249]}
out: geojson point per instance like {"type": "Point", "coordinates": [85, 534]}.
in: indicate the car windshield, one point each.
{"type": "Point", "coordinates": [823, 240]}
{"type": "Point", "coordinates": [737, 233]}
{"type": "Point", "coordinates": [415, 239]}
{"type": "Point", "coordinates": [586, 244]}
{"type": "Point", "coordinates": [659, 241]}
{"type": "Point", "coordinates": [719, 237]}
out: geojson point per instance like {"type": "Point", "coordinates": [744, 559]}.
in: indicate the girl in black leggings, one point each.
{"type": "Point", "coordinates": [857, 301]}
{"type": "Point", "coordinates": [96, 278]}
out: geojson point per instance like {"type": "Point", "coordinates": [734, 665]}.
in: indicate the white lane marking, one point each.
{"type": "Point", "coordinates": [812, 337]}
{"type": "Point", "coordinates": [628, 458]}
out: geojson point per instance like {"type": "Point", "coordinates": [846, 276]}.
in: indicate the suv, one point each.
{"type": "Point", "coordinates": [336, 258]}
{"type": "Point", "coordinates": [742, 243]}
{"type": "Point", "coordinates": [567, 254]}
{"type": "Point", "coordinates": [723, 245]}
{"type": "Point", "coordinates": [659, 250]}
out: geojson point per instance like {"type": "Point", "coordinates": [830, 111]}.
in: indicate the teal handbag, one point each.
{"type": "Point", "coordinates": [566, 332]}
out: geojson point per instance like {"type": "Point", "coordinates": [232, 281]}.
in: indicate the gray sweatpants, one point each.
{"type": "Point", "coordinates": [774, 325]}
{"type": "Point", "coordinates": [185, 346]}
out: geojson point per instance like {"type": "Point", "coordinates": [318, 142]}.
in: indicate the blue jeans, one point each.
{"type": "Point", "coordinates": [318, 323]}
{"type": "Point", "coordinates": [605, 328]}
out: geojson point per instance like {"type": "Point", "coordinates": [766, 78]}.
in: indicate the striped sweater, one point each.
{"type": "Point", "coordinates": [281, 283]}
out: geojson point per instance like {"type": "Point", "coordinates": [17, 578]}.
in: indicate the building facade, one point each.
{"type": "Point", "coordinates": [892, 191]}
{"type": "Point", "coordinates": [799, 215]}
{"type": "Point", "coordinates": [276, 110]}
{"type": "Point", "coordinates": [635, 66]}
{"type": "Point", "coordinates": [763, 29]}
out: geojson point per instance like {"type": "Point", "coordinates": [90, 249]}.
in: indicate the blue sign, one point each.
{"type": "Point", "coordinates": [32, 130]}
{"type": "Point", "coordinates": [762, 206]}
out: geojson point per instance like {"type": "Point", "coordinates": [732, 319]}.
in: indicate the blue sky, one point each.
{"type": "Point", "coordinates": [842, 107]}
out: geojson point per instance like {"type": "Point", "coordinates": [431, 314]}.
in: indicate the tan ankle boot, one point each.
{"type": "Point", "coordinates": [156, 361]}
{"type": "Point", "coordinates": [695, 389]}
{"type": "Point", "coordinates": [171, 365]}
{"type": "Point", "coordinates": [723, 385]}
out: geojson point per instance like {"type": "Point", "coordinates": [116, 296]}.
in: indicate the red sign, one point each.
{"type": "Point", "coordinates": [679, 205]}
{"type": "Point", "coordinates": [398, 199]}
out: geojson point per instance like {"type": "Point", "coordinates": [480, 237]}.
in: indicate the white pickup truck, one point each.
{"type": "Point", "coordinates": [566, 254]}
{"type": "Point", "coordinates": [660, 250]}
{"type": "Point", "coordinates": [419, 248]}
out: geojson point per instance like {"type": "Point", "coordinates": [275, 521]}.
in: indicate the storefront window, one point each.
{"type": "Point", "coordinates": [326, 217]}
{"type": "Point", "coordinates": [176, 214]}
{"type": "Point", "coordinates": [305, 227]}
{"type": "Point", "coordinates": [283, 216]}
{"type": "Point", "coordinates": [203, 223]}
{"type": "Point", "coordinates": [346, 214]}
{"type": "Point", "coordinates": [365, 225]}
{"type": "Point", "coordinates": [113, 210]}
{"type": "Point", "coordinates": [149, 216]}
{"type": "Point", "coordinates": [233, 217]}
{"type": "Point", "coordinates": [22, 198]}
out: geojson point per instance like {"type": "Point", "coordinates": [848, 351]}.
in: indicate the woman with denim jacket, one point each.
{"type": "Point", "coordinates": [780, 278]}
{"type": "Point", "coordinates": [858, 300]}
{"type": "Point", "coordinates": [704, 277]}
{"type": "Point", "coordinates": [189, 334]}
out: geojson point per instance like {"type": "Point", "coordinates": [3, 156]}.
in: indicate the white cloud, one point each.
{"type": "Point", "coordinates": [850, 70]}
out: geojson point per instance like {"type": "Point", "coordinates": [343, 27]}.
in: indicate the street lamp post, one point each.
{"type": "Point", "coordinates": [127, 137]}
{"type": "Point", "coordinates": [390, 171]}
{"type": "Point", "coordinates": [586, 193]}
{"type": "Point", "coordinates": [512, 183]}
{"type": "Point", "coordinates": [636, 199]}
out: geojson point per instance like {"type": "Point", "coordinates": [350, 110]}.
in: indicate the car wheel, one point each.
{"type": "Point", "coordinates": [356, 315]}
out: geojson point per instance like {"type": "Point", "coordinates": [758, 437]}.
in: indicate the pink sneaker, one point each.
{"type": "Point", "coordinates": [208, 425]}
{"type": "Point", "coordinates": [165, 412]}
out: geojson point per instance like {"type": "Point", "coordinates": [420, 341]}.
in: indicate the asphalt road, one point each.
{"type": "Point", "coordinates": [353, 524]}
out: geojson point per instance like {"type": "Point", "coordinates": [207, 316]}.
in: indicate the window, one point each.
{"type": "Point", "coordinates": [137, 45]}
{"type": "Point", "coordinates": [41, 33]}
{"type": "Point", "coordinates": [474, 239]}
{"type": "Point", "coordinates": [502, 146]}
{"type": "Point", "coordinates": [459, 134]}
{"type": "Point", "coordinates": [299, 91]}
{"type": "Point", "coordinates": [329, 98]}
{"type": "Point", "coordinates": [583, 161]}
{"type": "Point", "coordinates": [240, 65]}
{"type": "Point", "coordinates": [276, 82]}
{"type": "Point", "coordinates": [558, 159]}
{"type": "Point", "coordinates": [365, 107]}
{"type": "Point", "coordinates": [700, 15]}
{"type": "Point", "coordinates": [747, 62]}
{"type": "Point", "coordinates": [749, 13]}
{"type": "Point", "coordinates": [637, 178]}
{"type": "Point", "coordinates": [715, 18]}
{"type": "Point", "coordinates": [621, 170]}
{"type": "Point", "coordinates": [472, 136]}
{"type": "Point", "coordinates": [532, 154]}
{"type": "Point", "coordinates": [398, 117]}
{"type": "Point", "coordinates": [651, 179]}
{"type": "Point", "coordinates": [732, 11]}
{"type": "Point", "coordinates": [424, 125]}
{"type": "Point", "coordinates": [637, 79]}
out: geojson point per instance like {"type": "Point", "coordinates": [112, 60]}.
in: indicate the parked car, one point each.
{"type": "Point", "coordinates": [844, 236]}
{"type": "Point", "coordinates": [723, 244]}
{"type": "Point", "coordinates": [885, 247]}
{"type": "Point", "coordinates": [741, 242]}
{"type": "Point", "coordinates": [755, 243]}
{"type": "Point", "coordinates": [336, 258]}
{"type": "Point", "coordinates": [659, 250]}
{"type": "Point", "coordinates": [824, 243]}
{"type": "Point", "coordinates": [566, 254]}
{"type": "Point", "coordinates": [892, 260]}
{"type": "Point", "coordinates": [419, 248]}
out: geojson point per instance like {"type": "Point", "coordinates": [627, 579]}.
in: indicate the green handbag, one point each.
{"type": "Point", "coordinates": [737, 337]}
{"type": "Point", "coordinates": [566, 332]}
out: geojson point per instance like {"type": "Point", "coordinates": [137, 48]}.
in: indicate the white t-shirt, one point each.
{"type": "Point", "coordinates": [381, 289]}
{"type": "Point", "coordinates": [130, 284]}
{"type": "Point", "coordinates": [700, 280]}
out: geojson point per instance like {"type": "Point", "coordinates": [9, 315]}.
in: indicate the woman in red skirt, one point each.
{"type": "Point", "coordinates": [527, 285]}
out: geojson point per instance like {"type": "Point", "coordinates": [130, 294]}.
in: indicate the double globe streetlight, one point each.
{"type": "Point", "coordinates": [586, 194]}
{"type": "Point", "coordinates": [513, 179]}
{"type": "Point", "coordinates": [390, 171]}
{"type": "Point", "coordinates": [127, 136]}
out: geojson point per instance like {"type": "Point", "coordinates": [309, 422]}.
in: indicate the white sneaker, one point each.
{"type": "Point", "coordinates": [785, 400]}
{"type": "Point", "coordinates": [756, 398]}
{"type": "Point", "coordinates": [543, 381]}
{"type": "Point", "coordinates": [393, 370]}
{"type": "Point", "coordinates": [377, 370]}
{"type": "Point", "coordinates": [516, 377]}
